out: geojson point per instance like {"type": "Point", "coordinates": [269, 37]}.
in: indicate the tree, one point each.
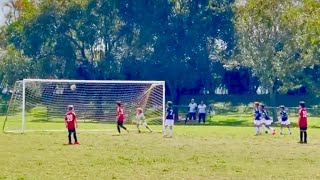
{"type": "Point", "coordinates": [13, 66]}
{"type": "Point", "coordinates": [266, 45]}
{"type": "Point", "coordinates": [304, 20]}
{"type": "Point", "coordinates": [98, 39]}
{"type": "Point", "coordinates": [69, 39]}
{"type": "Point", "coordinates": [180, 37]}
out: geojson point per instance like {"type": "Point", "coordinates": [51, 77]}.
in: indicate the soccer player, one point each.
{"type": "Point", "coordinates": [120, 117]}
{"type": "Point", "coordinates": [70, 119]}
{"type": "Point", "coordinates": [141, 119]}
{"type": "Point", "coordinates": [303, 122]}
{"type": "Point", "coordinates": [192, 111]}
{"type": "Point", "coordinates": [169, 119]}
{"type": "Point", "coordinates": [257, 118]}
{"type": "Point", "coordinates": [284, 121]}
{"type": "Point", "coordinates": [267, 121]}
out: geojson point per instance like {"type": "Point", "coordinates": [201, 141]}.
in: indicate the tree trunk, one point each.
{"type": "Point", "coordinates": [176, 101]}
{"type": "Point", "coordinates": [273, 102]}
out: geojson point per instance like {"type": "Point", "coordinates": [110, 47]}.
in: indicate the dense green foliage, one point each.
{"type": "Point", "coordinates": [276, 48]}
{"type": "Point", "coordinates": [192, 44]}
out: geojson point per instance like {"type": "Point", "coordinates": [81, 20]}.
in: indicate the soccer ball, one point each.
{"type": "Point", "coordinates": [73, 87]}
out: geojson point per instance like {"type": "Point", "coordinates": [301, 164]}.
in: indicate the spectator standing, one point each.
{"type": "Point", "coordinates": [192, 111]}
{"type": "Point", "coordinates": [202, 109]}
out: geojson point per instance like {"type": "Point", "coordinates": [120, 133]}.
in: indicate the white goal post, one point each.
{"type": "Point", "coordinates": [39, 104]}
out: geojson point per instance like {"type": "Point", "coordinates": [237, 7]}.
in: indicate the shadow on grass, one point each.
{"type": "Point", "coordinates": [220, 121]}
{"type": "Point", "coordinates": [240, 123]}
{"type": "Point", "coordinates": [236, 123]}
{"type": "Point", "coordinates": [231, 123]}
{"type": "Point", "coordinates": [62, 121]}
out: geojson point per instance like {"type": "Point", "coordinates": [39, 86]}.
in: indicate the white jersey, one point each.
{"type": "Point", "coordinates": [202, 108]}
{"type": "Point", "coordinates": [192, 107]}
{"type": "Point", "coordinates": [141, 119]}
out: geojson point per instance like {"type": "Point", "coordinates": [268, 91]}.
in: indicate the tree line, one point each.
{"type": "Point", "coordinates": [191, 44]}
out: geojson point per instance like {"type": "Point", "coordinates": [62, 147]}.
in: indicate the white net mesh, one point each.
{"type": "Point", "coordinates": [94, 102]}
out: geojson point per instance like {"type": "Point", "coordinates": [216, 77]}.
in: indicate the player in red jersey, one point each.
{"type": "Point", "coordinates": [120, 117]}
{"type": "Point", "coordinates": [303, 122]}
{"type": "Point", "coordinates": [70, 119]}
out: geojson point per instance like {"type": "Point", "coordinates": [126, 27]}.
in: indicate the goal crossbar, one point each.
{"type": "Point", "coordinates": [94, 81]}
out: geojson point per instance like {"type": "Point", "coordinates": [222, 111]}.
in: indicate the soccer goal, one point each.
{"type": "Point", "coordinates": [40, 104]}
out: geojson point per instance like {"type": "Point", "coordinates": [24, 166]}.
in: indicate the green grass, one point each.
{"type": "Point", "coordinates": [195, 152]}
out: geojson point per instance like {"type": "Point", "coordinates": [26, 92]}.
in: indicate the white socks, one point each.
{"type": "Point", "coordinates": [257, 130]}
{"type": "Point", "coordinates": [264, 127]}
{"type": "Point", "coordinates": [289, 130]}
{"type": "Point", "coordinates": [165, 131]}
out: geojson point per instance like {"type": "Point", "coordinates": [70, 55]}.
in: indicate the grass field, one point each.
{"type": "Point", "coordinates": [221, 151]}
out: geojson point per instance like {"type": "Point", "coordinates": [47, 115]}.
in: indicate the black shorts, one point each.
{"type": "Point", "coordinates": [72, 130]}
{"type": "Point", "coordinates": [120, 123]}
{"type": "Point", "coordinates": [303, 128]}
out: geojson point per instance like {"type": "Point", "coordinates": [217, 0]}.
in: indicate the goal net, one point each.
{"type": "Point", "coordinates": [40, 104]}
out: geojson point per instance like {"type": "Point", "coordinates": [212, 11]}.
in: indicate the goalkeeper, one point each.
{"type": "Point", "coordinates": [141, 120]}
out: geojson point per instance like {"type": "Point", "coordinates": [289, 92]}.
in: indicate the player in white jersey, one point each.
{"type": "Point", "coordinates": [141, 120]}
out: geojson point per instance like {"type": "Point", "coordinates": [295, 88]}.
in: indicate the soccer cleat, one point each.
{"type": "Point", "coordinates": [139, 131]}
{"type": "Point", "coordinates": [77, 143]}
{"type": "Point", "coordinates": [305, 142]}
{"type": "Point", "coordinates": [281, 133]}
{"type": "Point", "coordinates": [300, 142]}
{"type": "Point", "coordinates": [257, 134]}
{"type": "Point", "coordinates": [70, 143]}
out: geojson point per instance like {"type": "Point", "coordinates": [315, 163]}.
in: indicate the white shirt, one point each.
{"type": "Point", "coordinates": [192, 107]}
{"type": "Point", "coordinates": [202, 108]}
{"type": "Point", "coordinates": [140, 117]}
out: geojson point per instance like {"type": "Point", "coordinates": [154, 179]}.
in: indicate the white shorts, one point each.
{"type": "Point", "coordinates": [169, 122]}
{"type": "Point", "coordinates": [286, 123]}
{"type": "Point", "coordinates": [257, 122]}
{"type": "Point", "coordinates": [267, 122]}
{"type": "Point", "coordinates": [144, 123]}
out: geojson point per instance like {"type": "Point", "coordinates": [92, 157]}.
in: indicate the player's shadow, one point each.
{"type": "Point", "coordinates": [43, 121]}
{"type": "Point", "coordinates": [243, 123]}
{"type": "Point", "coordinates": [66, 144]}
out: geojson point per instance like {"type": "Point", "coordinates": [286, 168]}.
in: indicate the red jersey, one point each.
{"type": "Point", "coordinates": [120, 117]}
{"type": "Point", "coordinates": [70, 120]}
{"type": "Point", "coordinates": [303, 117]}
